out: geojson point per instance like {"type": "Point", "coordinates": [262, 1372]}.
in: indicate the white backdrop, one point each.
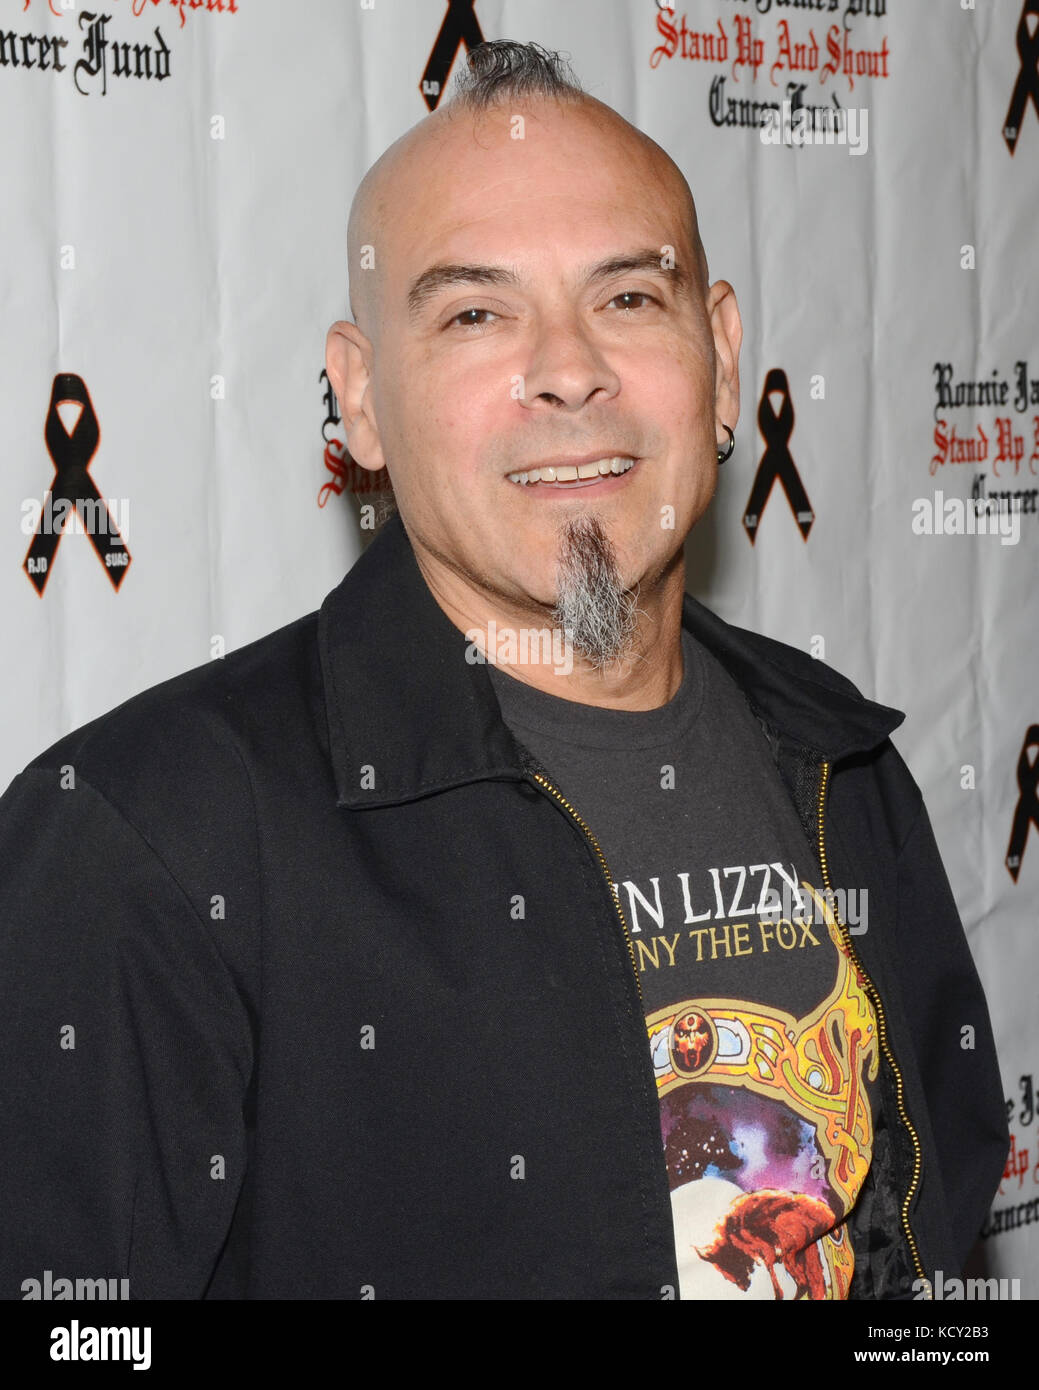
{"type": "Point", "coordinates": [175, 180]}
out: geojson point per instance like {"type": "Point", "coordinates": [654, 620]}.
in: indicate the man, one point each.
{"type": "Point", "coordinates": [408, 953]}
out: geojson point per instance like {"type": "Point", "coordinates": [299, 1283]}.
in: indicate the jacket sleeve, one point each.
{"type": "Point", "coordinates": [125, 1055]}
{"type": "Point", "coordinates": [952, 1035]}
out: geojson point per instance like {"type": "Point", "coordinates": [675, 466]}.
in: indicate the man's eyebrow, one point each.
{"type": "Point", "coordinates": [649, 259]}
{"type": "Point", "coordinates": [439, 277]}
{"type": "Point", "coordinates": [443, 275]}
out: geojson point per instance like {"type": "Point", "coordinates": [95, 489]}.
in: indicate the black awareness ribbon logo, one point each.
{"type": "Point", "coordinates": [776, 462]}
{"type": "Point", "coordinates": [1027, 86]}
{"type": "Point", "coordinates": [73, 489]}
{"type": "Point", "coordinates": [1027, 812]}
{"type": "Point", "coordinates": [460, 26]}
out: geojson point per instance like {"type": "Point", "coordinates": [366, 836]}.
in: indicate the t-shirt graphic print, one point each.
{"type": "Point", "coordinates": [767, 1128]}
{"type": "Point", "coordinates": [761, 1036]}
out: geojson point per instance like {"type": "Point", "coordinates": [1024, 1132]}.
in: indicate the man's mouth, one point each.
{"type": "Point", "coordinates": [574, 475]}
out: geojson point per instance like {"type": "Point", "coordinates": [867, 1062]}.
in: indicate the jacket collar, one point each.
{"type": "Point", "coordinates": [403, 701]}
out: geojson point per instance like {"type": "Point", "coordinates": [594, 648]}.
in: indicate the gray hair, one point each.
{"type": "Point", "coordinates": [502, 69]}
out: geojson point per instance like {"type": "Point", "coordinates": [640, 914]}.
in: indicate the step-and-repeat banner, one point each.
{"type": "Point", "coordinates": [175, 179]}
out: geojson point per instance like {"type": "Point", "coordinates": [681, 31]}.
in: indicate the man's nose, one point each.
{"type": "Point", "coordinates": [566, 367]}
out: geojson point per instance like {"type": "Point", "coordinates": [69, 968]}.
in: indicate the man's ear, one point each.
{"type": "Point", "coordinates": [727, 328]}
{"type": "Point", "coordinates": [348, 360]}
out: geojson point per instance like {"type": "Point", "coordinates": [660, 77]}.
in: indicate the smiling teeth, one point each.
{"type": "Point", "coordinates": [569, 474]}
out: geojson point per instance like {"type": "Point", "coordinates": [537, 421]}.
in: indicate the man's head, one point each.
{"type": "Point", "coordinates": [530, 290]}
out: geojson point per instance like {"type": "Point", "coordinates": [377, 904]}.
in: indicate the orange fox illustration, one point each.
{"type": "Point", "coordinates": [769, 1228]}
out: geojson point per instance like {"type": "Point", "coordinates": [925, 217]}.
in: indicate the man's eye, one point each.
{"type": "Point", "coordinates": [469, 318]}
{"type": "Point", "coordinates": [633, 294]}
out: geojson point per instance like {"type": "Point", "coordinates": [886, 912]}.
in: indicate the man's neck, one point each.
{"type": "Point", "coordinates": [633, 685]}
{"type": "Point", "coordinates": [527, 645]}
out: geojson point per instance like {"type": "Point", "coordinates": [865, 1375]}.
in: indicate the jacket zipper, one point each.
{"type": "Point", "coordinates": [878, 1006]}
{"type": "Point", "coordinates": [605, 868]}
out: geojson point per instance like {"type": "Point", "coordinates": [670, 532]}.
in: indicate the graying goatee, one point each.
{"type": "Point", "coordinates": [597, 614]}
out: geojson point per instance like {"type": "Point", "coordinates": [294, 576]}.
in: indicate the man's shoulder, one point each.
{"type": "Point", "coordinates": [182, 726]}
{"type": "Point", "coordinates": [791, 661]}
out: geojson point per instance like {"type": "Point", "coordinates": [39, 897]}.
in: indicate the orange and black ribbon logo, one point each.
{"type": "Point", "coordinates": [460, 26]}
{"type": "Point", "coordinates": [1026, 88]}
{"type": "Point", "coordinates": [1027, 812]}
{"type": "Point", "coordinates": [776, 462]}
{"type": "Point", "coordinates": [73, 490]}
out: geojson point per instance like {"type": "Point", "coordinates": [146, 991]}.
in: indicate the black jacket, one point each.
{"type": "Point", "coordinates": [271, 1028]}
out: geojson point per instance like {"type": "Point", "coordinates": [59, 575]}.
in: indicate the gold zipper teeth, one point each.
{"type": "Point", "coordinates": [878, 1006]}
{"type": "Point", "coordinates": [605, 868]}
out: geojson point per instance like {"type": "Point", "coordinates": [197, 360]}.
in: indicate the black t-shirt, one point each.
{"type": "Point", "coordinates": [763, 1042]}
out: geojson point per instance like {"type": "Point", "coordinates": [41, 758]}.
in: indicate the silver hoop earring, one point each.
{"type": "Point", "coordinates": [727, 453]}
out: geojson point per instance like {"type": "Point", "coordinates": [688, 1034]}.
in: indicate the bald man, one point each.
{"type": "Point", "coordinates": [541, 306]}
{"type": "Point", "coordinates": [512, 927]}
